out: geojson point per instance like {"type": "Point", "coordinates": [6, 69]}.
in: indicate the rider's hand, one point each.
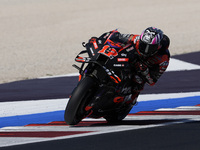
{"type": "Point", "coordinates": [142, 68]}
{"type": "Point", "coordinates": [144, 71]}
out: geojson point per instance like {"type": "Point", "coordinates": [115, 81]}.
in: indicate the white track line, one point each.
{"type": "Point", "coordinates": [50, 105]}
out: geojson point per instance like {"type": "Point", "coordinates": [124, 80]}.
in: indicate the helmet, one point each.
{"type": "Point", "coordinates": [150, 41]}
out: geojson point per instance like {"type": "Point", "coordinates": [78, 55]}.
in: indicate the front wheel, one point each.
{"type": "Point", "coordinates": [75, 110]}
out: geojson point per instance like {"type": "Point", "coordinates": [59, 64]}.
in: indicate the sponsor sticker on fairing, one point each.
{"type": "Point", "coordinates": [130, 49]}
{"type": "Point", "coordinates": [91, 50]}
{"type": "Point", "coordinates": [118, 65]}
{"type": "Point", "coordinates": [124, 55]}
{"type": "Point", "coordinates": [122, 59]}
{"type": "Point", "coordinates": [95, 44]}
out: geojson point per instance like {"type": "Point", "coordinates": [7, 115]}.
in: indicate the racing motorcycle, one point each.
{"type": "Point", "coordinates": [104, 87]}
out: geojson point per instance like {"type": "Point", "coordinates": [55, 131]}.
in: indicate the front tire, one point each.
{"type": "Point", "coordinates": [75, 110]}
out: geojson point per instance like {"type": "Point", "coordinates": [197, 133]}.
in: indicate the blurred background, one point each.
{"type": "Point", "coordinates": [42, 37]}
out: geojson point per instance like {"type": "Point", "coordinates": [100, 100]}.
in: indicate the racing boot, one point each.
{"type": "Point", "coordinates": [133, 99]}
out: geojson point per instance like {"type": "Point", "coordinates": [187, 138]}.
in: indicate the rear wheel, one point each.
{"type": "Point", "coordinates": [75, 110]}
{"type": "Point", "coordinates": [118, 116]}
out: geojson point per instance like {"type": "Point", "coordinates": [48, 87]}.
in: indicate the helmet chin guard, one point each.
{"type": "Point", "coordinates": [150, 41]}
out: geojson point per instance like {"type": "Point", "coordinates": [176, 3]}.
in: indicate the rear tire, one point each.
{"type": "Point", "coordinates": [118, 116]}
{"type": "Point", "coordinates": [75, 109]}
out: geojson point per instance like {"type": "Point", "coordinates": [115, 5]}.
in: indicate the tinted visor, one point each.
{"type": "Point", "coordinates": [147, 49]}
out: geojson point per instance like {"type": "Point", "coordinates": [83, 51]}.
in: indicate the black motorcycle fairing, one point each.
{"type": "Point", "coordinates": [108, 67]}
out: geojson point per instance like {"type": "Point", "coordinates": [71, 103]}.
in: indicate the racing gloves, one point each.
{"type": "Point", "coordinates": [144, 74]}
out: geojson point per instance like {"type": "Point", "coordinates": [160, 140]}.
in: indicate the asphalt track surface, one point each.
{"type": "Point", "coordinates": [173, 137]}
{"type": "Point", "coordinates": [182, 135]}
{"type": "Point", "coordinates": [36, 89]}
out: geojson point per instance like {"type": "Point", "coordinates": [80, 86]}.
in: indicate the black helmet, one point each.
{"type": "Point", "coordinates": [150, 41]}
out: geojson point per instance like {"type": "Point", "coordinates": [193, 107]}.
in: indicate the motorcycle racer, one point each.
{"type": "Point", "coordinates": [117, 68]}
{"type": "Point", "coordinates": [151, 50]}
